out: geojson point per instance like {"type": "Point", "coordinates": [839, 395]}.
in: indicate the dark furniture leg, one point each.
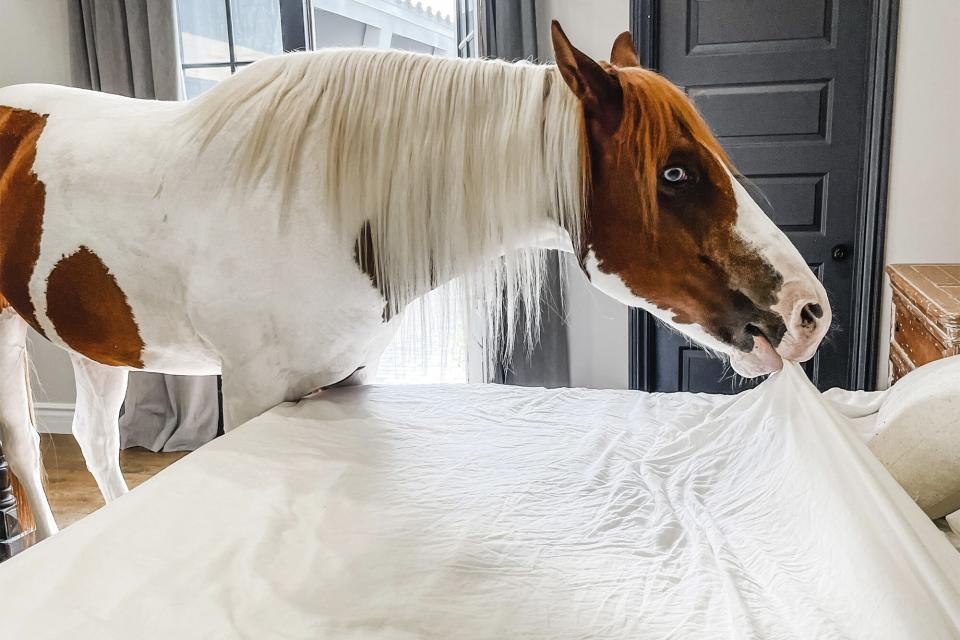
{"type": "Point", "coordinates": [13, 538]}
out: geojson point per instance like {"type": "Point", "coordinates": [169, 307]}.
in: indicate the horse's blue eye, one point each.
{"type": "Point", "coordinates": [675, 175]}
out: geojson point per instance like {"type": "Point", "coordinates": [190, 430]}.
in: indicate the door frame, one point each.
{"type": "Point", "coordinates": [871, 203]}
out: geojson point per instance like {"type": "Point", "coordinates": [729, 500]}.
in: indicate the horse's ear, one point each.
{"type": "Point", "coordinates": [598, 90]}
{"type": "Point", "coordinates": [624, 54]}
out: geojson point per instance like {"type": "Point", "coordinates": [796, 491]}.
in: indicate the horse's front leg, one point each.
{"type": "Point", "coordinates": [100, 392]}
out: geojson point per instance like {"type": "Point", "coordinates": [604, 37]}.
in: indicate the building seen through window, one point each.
{"type": "Point", "coordinates": [220, 36]}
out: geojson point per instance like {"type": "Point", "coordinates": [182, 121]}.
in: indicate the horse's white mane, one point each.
{"type": "Point", "coordinates": [451, 162]}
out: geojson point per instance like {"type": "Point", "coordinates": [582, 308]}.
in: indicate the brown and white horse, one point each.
{"type": "Point", "coordinates": [271, 229]}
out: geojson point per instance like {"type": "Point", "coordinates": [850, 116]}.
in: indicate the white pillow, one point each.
{"type": "Point", "coordinates": [918, 438]}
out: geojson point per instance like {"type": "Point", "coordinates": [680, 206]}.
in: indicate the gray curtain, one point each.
{"type": "Point", "coordinates": [128, 47]}
{"type": "Point", "coordinates": [131, 48]}
{"type": "Point", "coordinates": [169, 413]}
{"type": "Point", "coordinates": [508, 30]}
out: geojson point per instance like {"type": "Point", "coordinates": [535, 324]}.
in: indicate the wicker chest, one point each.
{"type": "Point", "coordinates": [926, 315]}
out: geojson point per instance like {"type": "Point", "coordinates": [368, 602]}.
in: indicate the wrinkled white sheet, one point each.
{"type": "Point", "coordinates": [504, 512]}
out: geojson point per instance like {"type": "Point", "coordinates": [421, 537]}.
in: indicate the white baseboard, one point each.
{"type": "Point", "coordinates": [53, 417]}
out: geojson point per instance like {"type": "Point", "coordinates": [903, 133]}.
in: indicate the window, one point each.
{"type": "Point", "coordinates": [423, 26]}
{"type": "Point", "coordinates": [218, 37]}
{"type": "Point", "coordinates": [431, 345]}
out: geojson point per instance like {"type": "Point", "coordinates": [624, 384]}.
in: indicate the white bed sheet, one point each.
{"type": "Point", "coordinates": [504, 512]}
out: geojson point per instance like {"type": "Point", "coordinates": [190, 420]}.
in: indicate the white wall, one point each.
{"type": "Point", "coordinates": [597, 324]}
{"type": "Point", "coordinates": [923, 208]}
{"type": "Point", "coordinates": [34, 42]}
{"type": "Point", "coordinates": [35, 47]}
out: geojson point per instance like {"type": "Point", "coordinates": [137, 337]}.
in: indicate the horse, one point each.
{"type": "Point", "coordinates": [273, 229]}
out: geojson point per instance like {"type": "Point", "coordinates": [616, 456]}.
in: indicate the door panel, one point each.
{"type": "Point", "coordinates": [794, 201]}
{"type": "Point", "coordinates": [765, 112]}
{"type": "Point", "coordinates": [745, 23]}
{"type": "Point", "coordinates": [782, 83]}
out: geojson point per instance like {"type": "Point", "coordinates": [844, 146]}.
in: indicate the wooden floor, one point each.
{"type": "Point", "coordinates": [70, 487]}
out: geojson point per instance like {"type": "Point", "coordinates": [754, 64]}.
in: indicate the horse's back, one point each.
{"type": "Point", "coordinates": [53, 98]}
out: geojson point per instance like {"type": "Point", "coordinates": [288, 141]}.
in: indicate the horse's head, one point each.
{"type": "Point", "coordinates": [670, 229]}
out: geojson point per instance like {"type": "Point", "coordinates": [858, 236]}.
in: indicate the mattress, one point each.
{"type": "Point", "coordinates": [504, 512]}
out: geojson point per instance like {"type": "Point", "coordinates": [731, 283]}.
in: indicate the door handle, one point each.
{"type": "Point", "coordinates": [840, 252]}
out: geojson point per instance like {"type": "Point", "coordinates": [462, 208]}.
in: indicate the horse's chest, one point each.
{"type": "Point", "coordinates": [299, 305]}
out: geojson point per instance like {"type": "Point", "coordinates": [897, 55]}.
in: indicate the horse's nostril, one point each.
{"type": "Point", "coordinates": [753, 330]}
{"type": "Point", "coordinates": [809, 314]}
{"type": "Point", "coordinates": [770, 331]}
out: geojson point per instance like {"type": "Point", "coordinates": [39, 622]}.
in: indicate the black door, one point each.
{"type": "Point", "coordinates": [783, 85]}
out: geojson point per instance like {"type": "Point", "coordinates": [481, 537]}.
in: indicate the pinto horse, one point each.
{"type": "Point", "coordinates": [272, 229]}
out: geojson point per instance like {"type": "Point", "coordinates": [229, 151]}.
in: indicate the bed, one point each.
{"type": "Point", "coordinates": [485, 511]}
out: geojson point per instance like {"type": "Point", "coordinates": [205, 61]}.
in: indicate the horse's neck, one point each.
{"type": "Point", "coordinates": [483, 160]}
{"type": "Point", "coordinates": [545, 236]}
{"type": "Point", "coordinates": [448, 162]}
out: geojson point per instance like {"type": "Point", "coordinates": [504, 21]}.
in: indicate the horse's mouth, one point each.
{"type": "Point", "coordinates": [763, 359]}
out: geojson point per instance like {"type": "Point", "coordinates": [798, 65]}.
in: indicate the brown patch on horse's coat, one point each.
{"type": "Point", "coordinates": [91, 313]}
{"type": "Point", "coordinates": [364, 254]}
{"type": "Point", "coordinates": [677, 249]}
{"type": "Point", "coordinates": [22, 198]}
